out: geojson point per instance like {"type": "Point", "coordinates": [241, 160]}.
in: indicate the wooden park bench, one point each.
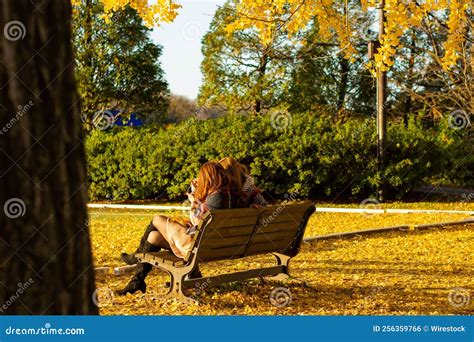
{"type": "Point", "coordinates": [232, 234]}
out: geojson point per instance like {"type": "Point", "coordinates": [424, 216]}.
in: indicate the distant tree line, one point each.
{"type": "Point", "coordinates": [117, 66]}
{"type": "Point", "coordinates": [245, 75]}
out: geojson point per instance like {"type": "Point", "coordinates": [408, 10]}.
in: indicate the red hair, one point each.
{"type": "Point", "coordinates": [211, 178]}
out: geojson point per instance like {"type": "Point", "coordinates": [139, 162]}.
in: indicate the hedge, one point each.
{"type": "Point", "coordinates": [302, 154]}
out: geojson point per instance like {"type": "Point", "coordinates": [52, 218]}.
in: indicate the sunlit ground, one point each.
{"type": "Point", "coordinates": [403, 272]}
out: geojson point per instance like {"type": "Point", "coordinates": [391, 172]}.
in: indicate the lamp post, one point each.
{"type": "Point", "coordinates": [381, 98]}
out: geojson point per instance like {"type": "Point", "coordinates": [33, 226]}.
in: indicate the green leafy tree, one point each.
{"type": "Point", "coordinates": [419, 81]}
{"type": "Point", "coordinates": [322, 76]}
{"type": "Point", "coordinates": [117, 63]}
{"type": "Point", "coordinates": [240, 73]}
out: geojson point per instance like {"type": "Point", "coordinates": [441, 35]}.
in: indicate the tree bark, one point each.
{"type": "Point", "coordinates": [45, 250]}
{"type": "Point", "coordinates": [86, 108]}
{"type": "Point", "coordinates": [407, 103]}
{"type": "Point", "coordinates": [262, 69]}
{"type": "Point", "coordinates": [343, 82]}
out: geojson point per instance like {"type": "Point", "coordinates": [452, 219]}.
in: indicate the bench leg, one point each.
{"type": "Point", "coordinates": [176, 288]}
{"type": "Point", "coordinates": [283, 260]}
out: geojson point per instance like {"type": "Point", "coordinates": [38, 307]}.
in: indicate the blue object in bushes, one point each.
{"type": "Point", "coordinates": [132, 120]}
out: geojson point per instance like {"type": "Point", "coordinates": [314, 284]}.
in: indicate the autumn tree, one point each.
{"type": "Point", "coordinates": [117, 64]}
{"type": "Point", "coordinates": [420, 80]}
{"type": "Point", "coordinates": [45, 255]}
{"type": "Point", "coordinates": [322, 76]}
{"type": "Point", "coordinates": [240, 72]}
{"type": "Point", "coordinates": [401, 15]}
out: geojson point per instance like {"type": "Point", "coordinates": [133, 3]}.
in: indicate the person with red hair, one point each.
{"type": "Point", "coordinates": [213, 191]}
{"type": "Point", "coordinates": [242, 183]}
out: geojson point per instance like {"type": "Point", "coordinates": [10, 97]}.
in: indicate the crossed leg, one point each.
{"type": "Point", "coordinates": [162, 224]}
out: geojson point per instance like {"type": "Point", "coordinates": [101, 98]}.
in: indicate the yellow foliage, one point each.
{"type": "Point", "coordinates": [402, 272]}
{"type": "Point", "coordinates": [295, 15]}
{"type": "Point", "coordinates": [152, 14]}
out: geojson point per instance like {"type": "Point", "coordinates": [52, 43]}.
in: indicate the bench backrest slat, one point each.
{"type": "Point", "coordinates": [229, 232]}
{"type": "Point", "coordinates": [236, 233]}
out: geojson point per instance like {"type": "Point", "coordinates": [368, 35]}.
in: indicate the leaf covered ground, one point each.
{"type": "Point", "coordinates": [403, 272]}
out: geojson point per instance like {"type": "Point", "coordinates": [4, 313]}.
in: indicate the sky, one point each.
{"type": "Point", "coordinates": [181, 41]}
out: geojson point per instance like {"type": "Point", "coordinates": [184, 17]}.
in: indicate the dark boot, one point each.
{"type": "Point", "coordinates": [130, 259]}
{"type": "Point", "coordinates": [137, 283]}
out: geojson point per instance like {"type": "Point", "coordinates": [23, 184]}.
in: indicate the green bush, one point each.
{"type": "Point", "coordinates": [310, 157]}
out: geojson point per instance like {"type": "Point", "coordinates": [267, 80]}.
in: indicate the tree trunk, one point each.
{"type": "Point", "coordinates": [86, 108]}
{"type": "Point", "coordinates": [344, 77]}
{"type": "Point", "coordinates": [407, 103]}
{"type": "Point", "coordinates": [262, 69]}
{"type": "Point", "coordinates": [45, 254]}
{"type": "Point", "coordinates": [343, 82]}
